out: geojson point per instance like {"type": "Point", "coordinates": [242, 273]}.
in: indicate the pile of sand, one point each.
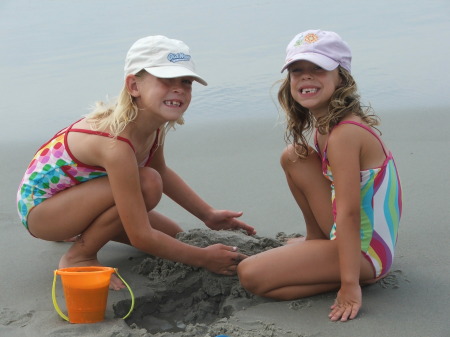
{"type": "Point", "coordinates": [188, 301]}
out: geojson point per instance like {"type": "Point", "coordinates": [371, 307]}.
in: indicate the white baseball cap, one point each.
{"type": "Point", "coordinates": [162, 57]}
{"type": "Point", "coordinates": [324, 48]}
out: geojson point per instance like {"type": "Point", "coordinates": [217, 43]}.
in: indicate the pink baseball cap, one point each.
{"type": "Point", "coordinates": [162, 57]}
{"type": "Point", "coordinates": [324, 48]}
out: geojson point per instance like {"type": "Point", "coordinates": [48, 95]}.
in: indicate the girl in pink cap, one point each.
{"type": "Point", "coordinates": [346, 185]}
{"type": "Point", "coordinates": [100, 178]}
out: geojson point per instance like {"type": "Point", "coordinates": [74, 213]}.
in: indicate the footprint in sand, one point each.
{"type": "Point", "coordinates": [14, 319]}
{"type": "Point", "coordinates": [392, 280]}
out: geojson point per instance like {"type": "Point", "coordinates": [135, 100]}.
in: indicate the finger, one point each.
{"type": "Point", "coordinates": [232, 269]}
{"type": "Point", "coordinates": [241, 225]}
{"type": "Point", "coordinates": [236, 214]}
{"type": "Point", "coordinates": [336, 313]}
{"type": "Point", "coordinates": [232, 214]}
{"type": "Point", "coordinates": [346, 314]}
{"type": "Point", "coordinates": [239, 257]}
{"type": "Point", "coordinates": [335, 304]}
{"type": "Point", "coordinates": [233, 249]}
{"type": "Point", "coordinates": [250, 230]}
{"type": "Point", "coordinates": [355, 311]}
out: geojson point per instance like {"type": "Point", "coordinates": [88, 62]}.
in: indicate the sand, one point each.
{"type": "Point", "coordinates": [236, 166]}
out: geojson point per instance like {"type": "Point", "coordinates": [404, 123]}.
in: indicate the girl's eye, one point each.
{"type": "Point", "coordinates": [187, 81]}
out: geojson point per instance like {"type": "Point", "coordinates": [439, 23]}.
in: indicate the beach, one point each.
{"type": "Point", "coordinates": [236, 166]}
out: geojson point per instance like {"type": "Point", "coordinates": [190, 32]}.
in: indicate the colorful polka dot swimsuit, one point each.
{"type": "Point", "coordinates": [54, 169]}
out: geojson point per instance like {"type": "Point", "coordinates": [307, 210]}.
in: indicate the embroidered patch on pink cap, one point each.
{"type": "Point", "coordinates": [324, 48]}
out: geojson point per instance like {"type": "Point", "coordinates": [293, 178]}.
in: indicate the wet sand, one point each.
{"type": "Point", "coordinates": [236, 166]}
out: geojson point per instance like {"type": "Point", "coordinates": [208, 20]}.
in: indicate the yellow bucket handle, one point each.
{"type": "Point", "coordinates": [58, 310]}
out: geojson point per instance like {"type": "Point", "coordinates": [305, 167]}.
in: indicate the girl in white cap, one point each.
{"type": "Point", "coordinates": [346, 186]}
{"type": "Point", "coordinates": [100, 178]}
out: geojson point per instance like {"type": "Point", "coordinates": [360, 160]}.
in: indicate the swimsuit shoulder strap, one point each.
{"type": "Point", "coordinates": [153, 149]}
{"type": "Point", "coordinates": [100, 133]}
{"type": "Point", "coordinates": [368, 129]}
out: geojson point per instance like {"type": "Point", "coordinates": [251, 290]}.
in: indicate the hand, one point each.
{"type": "Point", "coordinates": [222, 259]}
{"type": "Point", "coordinates": [347, 303]}
{"type": "Point", "coordinates": [222, 219]}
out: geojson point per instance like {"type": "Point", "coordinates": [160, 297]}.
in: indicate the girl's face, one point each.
{"type": "Point", "coordinates": [312, 86]}
{"type": "Point", "coordinates": [164, 98]}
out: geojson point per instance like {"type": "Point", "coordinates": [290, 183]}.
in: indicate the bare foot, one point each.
{"type": "Point", "coordinates": [114, 284]}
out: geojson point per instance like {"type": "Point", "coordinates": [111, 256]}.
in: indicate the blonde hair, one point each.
{"type": "Point", "coordinates": [300, 122]}
{"type": "Point", "coordinates": [116, 115]}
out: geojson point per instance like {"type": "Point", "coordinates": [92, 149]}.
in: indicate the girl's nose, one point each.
{"type": "Point", "coordinates": [177, 85]}
{"type": "Point", "coordinates": [306, 75]}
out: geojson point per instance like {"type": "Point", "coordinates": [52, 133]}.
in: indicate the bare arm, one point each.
{"type": "Point", "coordinates": [123, 173]}
{"type": "Point", "coordinates": [344, 156]}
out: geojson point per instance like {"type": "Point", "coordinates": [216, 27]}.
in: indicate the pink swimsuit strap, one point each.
{"type": "Point", "coordinates": [387, 154]}
{"type": "Point", "coordinates": [100, 133]}
{"type": "Point", "coordinates": [126, 140]}
{"type": "Point", "coordinates": [105, 134]}
{"type": "Point", "coordinates": [368, 129]}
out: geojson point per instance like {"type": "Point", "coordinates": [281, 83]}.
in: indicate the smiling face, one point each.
{"type": "Point", "coordinates": [165, 99]}
{"type": "Point", "coordinates": [313, 86]}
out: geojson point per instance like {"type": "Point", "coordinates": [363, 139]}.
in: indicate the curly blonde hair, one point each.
{"type": "Point", "coordinates": [116, 115]}
{"type": "Point", "coordinates": [300, 122]}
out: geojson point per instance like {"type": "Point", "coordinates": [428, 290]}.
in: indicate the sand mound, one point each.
{"type": "Point", "coordinates": [184, 298]}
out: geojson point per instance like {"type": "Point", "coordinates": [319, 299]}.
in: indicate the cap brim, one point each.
{"type": "Point", "coordinates": [319, 59]}
{"type": "Point", "coordinates": [173, 72]}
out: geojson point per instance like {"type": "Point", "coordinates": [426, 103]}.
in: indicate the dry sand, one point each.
{"type": "Point", "coordinates": [235, 166]}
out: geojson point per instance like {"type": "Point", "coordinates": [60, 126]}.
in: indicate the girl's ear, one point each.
{"type": "Point", "coordinates": [131, 85]}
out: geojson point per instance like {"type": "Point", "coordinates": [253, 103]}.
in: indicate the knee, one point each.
{"type": "Point", "coordinates": [151, 186]}
{"type": "Point", "coordinates": [288, 156]}
{"type": "Point", "coordinates": [248, 277]}
{"type": "Point", "coordinates": [291, 162]}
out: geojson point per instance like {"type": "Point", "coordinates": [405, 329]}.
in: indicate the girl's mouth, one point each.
{"type": "Point", "coordinates": [173, 103]}
{"type": "Point", "coordinates": [308, 90]}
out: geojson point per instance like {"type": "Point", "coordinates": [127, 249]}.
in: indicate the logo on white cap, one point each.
{"type": "Point", "coordinates": [162, 57]}
{"type": "Point", "coordinates": [178, 57]}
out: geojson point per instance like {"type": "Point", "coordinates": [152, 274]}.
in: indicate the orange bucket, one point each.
{"type": "Point", "coordinates": [86, 293]}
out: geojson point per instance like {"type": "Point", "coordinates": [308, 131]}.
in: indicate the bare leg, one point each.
{"type": "Point", "coordinates": [296, 270]}
{"type": "Point", "coordinates": [301, 268]}
{"type": "Point", "coordinates": [310, 190]}
{"type": "Point", "coordinates": [164, 224]}
{"type": "Point", "coordinates": [88, 209]}
{"type": "Point", "coordinates": [158, 222]}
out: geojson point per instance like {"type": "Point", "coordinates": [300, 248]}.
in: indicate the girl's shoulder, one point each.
{"type": "Point", "coordinates": [349, 133]}
{"type": "Point", "coordinates": [348, 126]}
{"type": "Point", "coordinates": [97, 148]}
{"type": "Point", "coordinates": [351, 126]}
{"type": "Point", "coordinates": [355, 126]}
{"type": "Point", "coordinates": [362, 140]}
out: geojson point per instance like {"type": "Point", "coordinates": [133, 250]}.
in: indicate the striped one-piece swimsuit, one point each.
{"type": "Point", "coordinates": [381, 208]}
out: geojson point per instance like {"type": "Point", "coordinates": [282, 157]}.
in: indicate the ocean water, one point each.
{"type": "Point", "coordinates": [60, 56]}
